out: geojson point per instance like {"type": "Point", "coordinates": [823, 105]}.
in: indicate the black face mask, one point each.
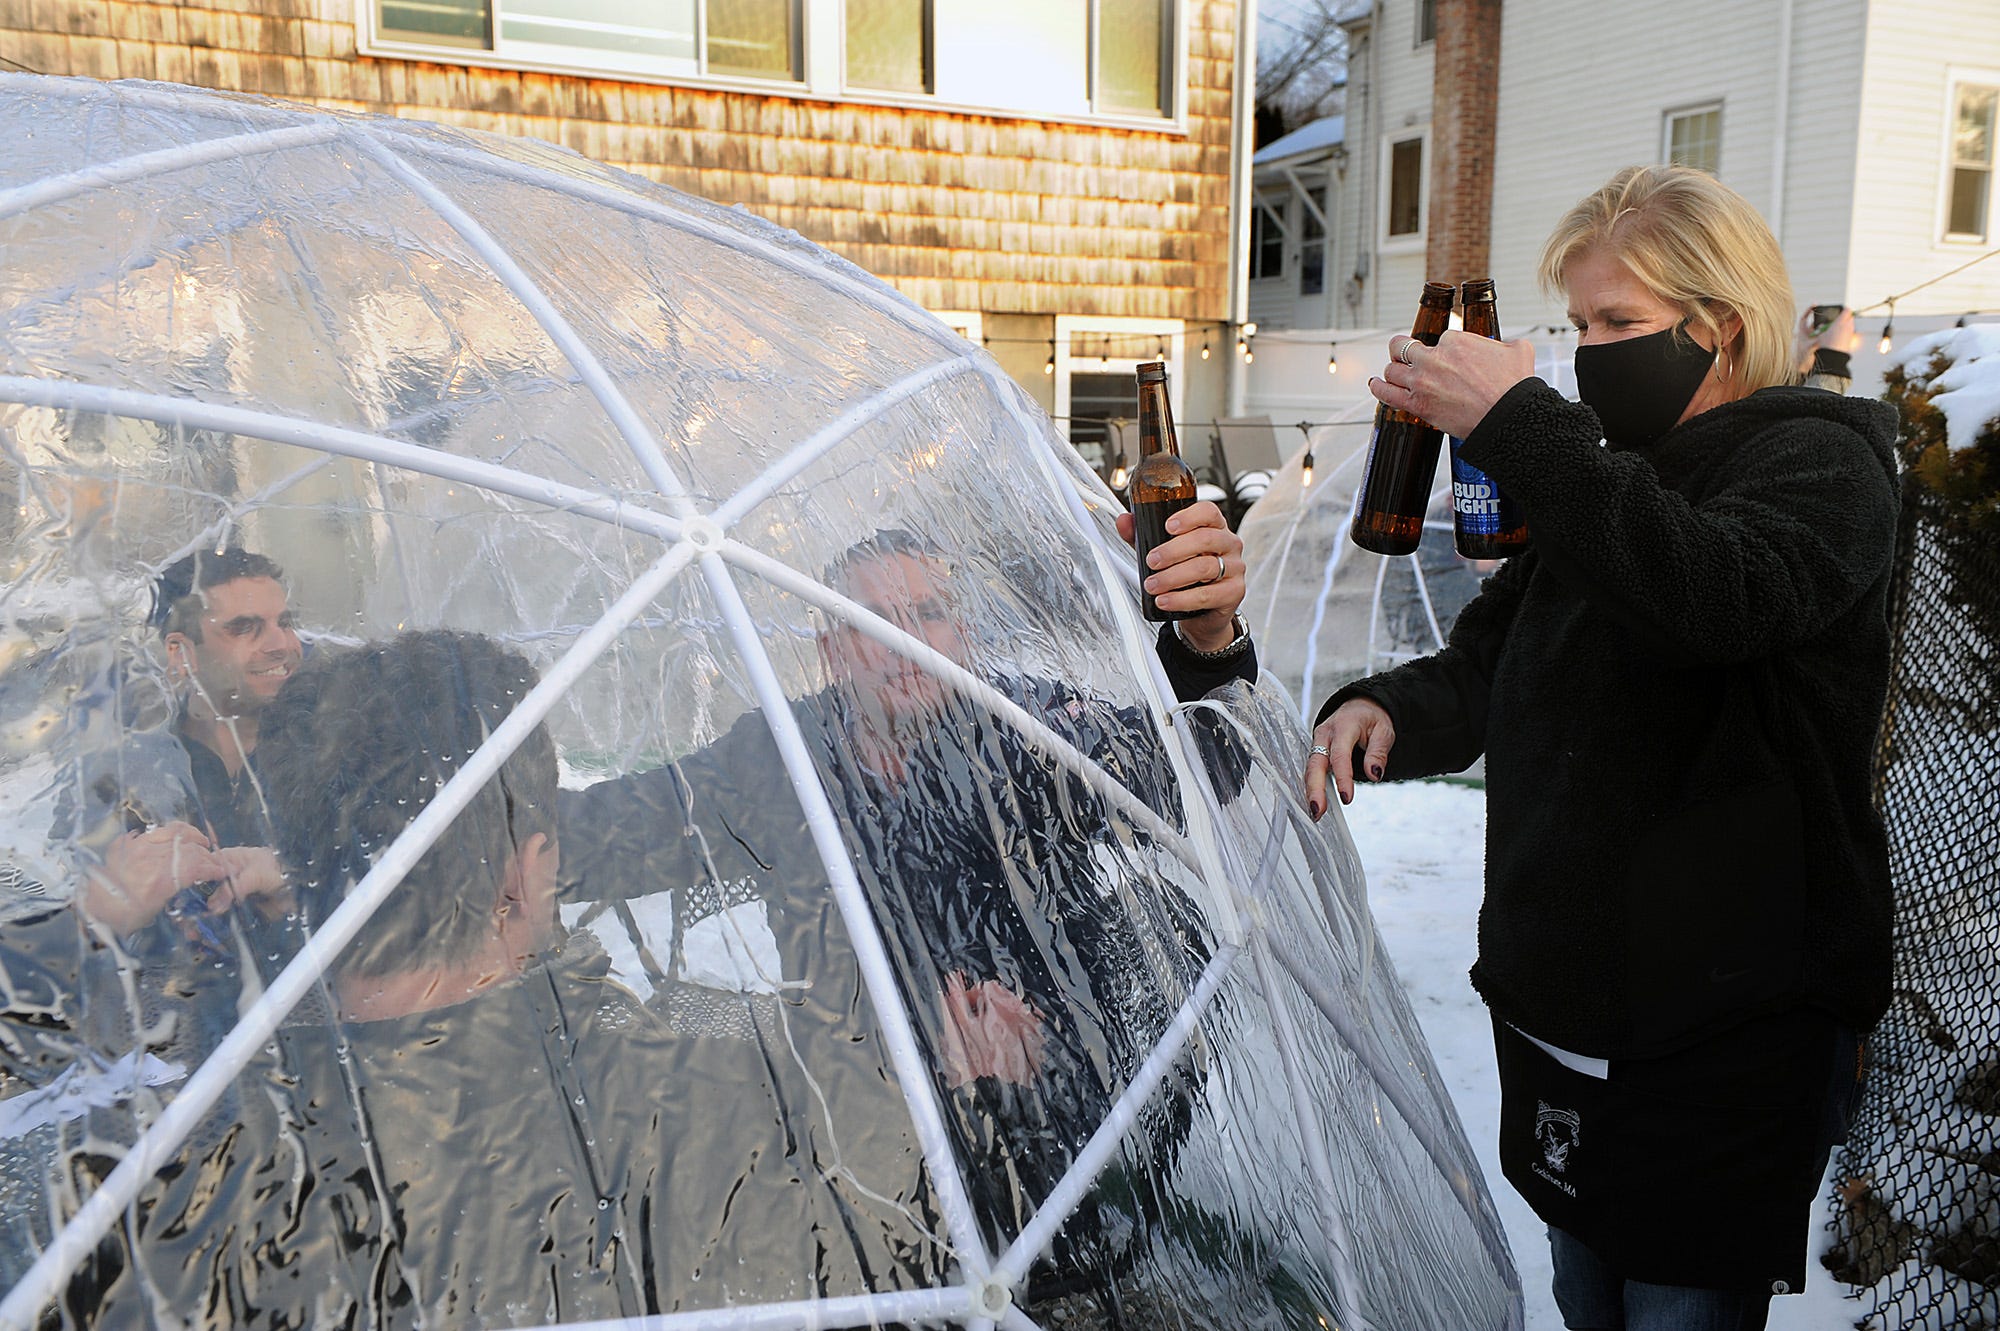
{"type": "Point", "coordinates": [1639, 386]}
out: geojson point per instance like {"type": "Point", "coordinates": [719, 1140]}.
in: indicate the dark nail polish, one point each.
{"type": "Point", "coordinates": [1375, 771]}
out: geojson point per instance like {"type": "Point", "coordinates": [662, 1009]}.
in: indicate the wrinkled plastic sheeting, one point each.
{"type": "Point", "coordinates": [1325, 611]}
{"type": "Point", "coordinates": [459, 383]}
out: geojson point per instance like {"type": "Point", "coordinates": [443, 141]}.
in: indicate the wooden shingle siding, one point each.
{"type": "Point", "coordinates": [958, 210]}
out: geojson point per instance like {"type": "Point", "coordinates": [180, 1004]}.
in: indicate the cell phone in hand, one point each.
{"type": "Point", "coordinates": [1823, 317]}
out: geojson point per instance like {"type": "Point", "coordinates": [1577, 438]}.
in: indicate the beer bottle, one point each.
{"type": "Point", "coordinates": [1162, 485]}
{"type": "Point", "coordinates": [1403, 455]}
{"type": "Point", "coordinates": [1485, 524]}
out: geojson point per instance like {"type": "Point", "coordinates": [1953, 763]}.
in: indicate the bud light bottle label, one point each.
{"type": "Point", "coordinates": [1478, 508]}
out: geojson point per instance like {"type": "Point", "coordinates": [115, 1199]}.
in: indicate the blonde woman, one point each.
{"type": "Point", "coordinates": [1676, 689]}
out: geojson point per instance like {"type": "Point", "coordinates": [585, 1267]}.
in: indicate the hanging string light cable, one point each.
{"type": "Point", "coordinates": [1890, 301]}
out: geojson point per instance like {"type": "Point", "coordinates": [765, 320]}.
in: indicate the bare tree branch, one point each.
{"type": "Point", "coordinates": [1302, 75]}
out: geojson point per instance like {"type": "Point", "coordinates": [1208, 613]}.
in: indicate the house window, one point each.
{"type": "Point", "coordinates": [1036, 55]}
{"type": "Point", "coordinates": [755, 38]}
{"type": "Point", "coordinates": [1406, 189]}
{"type": "Point", "coordinates": [968, 324]}
{"type": "Point", "coordinates": [1267, 238]}
{"type": "Point", "coordinates": [1047, 58]}
{"type": "Point", "coordinates": [1135, 56]}
{"type": "Point", "coordinates": [465, 23]}
{"type": "Point", "coordinates": [1312, 243]}
{"type": "Point", "coordinates": [734, 38]}
{"type": "Point", "coordinates": [1427, 21]}
{"type": "Point", "coordinates": [1694, 138]}
{"type": "Point", "coordinates": [1970, 183]}
{"type": "Point", "coordinates": [1096, 401]}
{"type": "Point", "coordinates": [889, 45]}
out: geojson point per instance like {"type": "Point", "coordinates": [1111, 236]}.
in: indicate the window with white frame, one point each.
{"type": "Point", "coordinates": [968, 324]}
{"type": "Point", "coordinates": [1403, 201]}
{"type": "Point", "coordinates": [758, 39]}
{"type": "Point", "coordinates": [889, 45]}
{"type": "Point", "coordinates": [1089, 59]}
{"type": "Point", "coordinates": [1096, 392]}
{"type": "Point", "coordinates": [1968, 204]}
{"type": "Point", "coordinates": [1427, 22]}
{"type": "Point", "coordinates": [1693, 137]}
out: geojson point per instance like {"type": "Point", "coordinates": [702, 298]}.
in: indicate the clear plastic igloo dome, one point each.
{"type": "Point", "coordinates": [569, 756]}
{"type": "Point", "coordinates": [1326, 611]}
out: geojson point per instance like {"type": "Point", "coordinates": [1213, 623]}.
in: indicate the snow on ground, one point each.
{"type": "Point", "coordinates": [1423, 845]}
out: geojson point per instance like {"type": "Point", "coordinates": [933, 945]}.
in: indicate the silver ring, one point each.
{"type": "Point", "coordinates": [1403, 353]}
{"type": "Point", "coordinates": [1221, 569]}
{"type": "Point", "coordinates": [1319, 750]}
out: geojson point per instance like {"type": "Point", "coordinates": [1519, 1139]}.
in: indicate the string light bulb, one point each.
{"type": "Point", "coordinates": [1888, 335]}
{"type": "Point", "coordinates": [1119, 475]}
{"type": "Point", "coordinates": [1204, 346]}
{"type": "Point", "coordinates": [1248, 355]}
{"type": "Point", "coordinates": [1050, 368]}
{"type": "Point", "coordinates": [1306, 471]}
{"type": "Point", "coordinates": [1332, 358]}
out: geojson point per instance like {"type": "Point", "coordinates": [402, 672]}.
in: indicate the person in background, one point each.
{"type": "Point", "coordinates": [227, 629]}
{"type": "Point", "coordinates": [1029, 984]}
{"type": "Point", "coordinates": [1826, 343]}
{"type": "Point", "coordinates": [503, 1079]}
{"type": "Point", "coordinates": [1685, 930]}
{"type": "Point", "coordinates": [113, 997]}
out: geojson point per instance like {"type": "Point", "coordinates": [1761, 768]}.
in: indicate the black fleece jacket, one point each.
{"type": "Point", "coordinates": [1677, 689]}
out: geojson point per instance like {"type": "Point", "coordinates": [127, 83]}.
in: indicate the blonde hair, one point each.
{"type": "Point", "coordinates": [1698, 244]}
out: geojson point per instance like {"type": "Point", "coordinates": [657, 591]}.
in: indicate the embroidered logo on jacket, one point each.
{"type": "Point", "coordinates": [1557, 1131]}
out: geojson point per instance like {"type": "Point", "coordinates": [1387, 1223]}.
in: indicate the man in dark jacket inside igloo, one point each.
{"type": "Point", "coordinates": [1037, 944]}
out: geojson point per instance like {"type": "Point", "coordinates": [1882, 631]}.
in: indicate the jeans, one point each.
{"type": "Point", "coordinates": [1593, 1297]}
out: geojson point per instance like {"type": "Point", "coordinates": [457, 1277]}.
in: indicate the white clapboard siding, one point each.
{"type": "Point", "coordinates": [1850, 169]}
{"type": "Point", "coordinates": [1584, 90]}
{"type": "Point", "coordinates": [1816, 227]}
{"type": "Point", "coordinates": [1913, 50]}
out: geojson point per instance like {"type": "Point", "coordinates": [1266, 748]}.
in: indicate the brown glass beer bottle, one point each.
{"type": "Point", "coordinates": [1403, 455]}
{"type": "Point", "coordinates": [1162, 485]}
{"type": "Point", "coordinates": [1485, 524]}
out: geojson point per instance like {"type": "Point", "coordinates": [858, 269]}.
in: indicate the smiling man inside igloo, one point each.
{"type": "Point", "coordinates": [707, 831]}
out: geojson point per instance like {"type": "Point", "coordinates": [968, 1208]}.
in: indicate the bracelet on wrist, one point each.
{"type": "Point", "coordinates": [1234, 648]}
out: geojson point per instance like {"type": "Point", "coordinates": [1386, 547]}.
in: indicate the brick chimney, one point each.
{"type": "Point", "coordinates": [1465, 94]}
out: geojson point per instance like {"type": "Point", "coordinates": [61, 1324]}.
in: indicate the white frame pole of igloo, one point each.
{"type": "Point", "coordinates": [693, 534]}
{"type": "Point", "coordinates": [157, 1145]}
{"type": "Point", "coordinates": [164, 1136]}
{"type": "Point", "coordinates": [705, 535]}
{"type": "Point", "coordinates": [79, 1236]}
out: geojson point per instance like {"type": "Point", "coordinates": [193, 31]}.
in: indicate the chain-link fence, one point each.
{"type": "Point", "coordinates": [1918, 1186]}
